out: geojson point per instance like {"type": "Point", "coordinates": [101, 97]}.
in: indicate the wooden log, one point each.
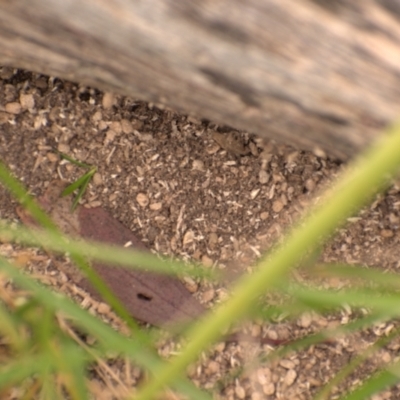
{"type": "Point", "coordinates": [312, 73]}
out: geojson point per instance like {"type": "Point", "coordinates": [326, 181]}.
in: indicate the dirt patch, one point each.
{"type": "Point", "coordinates": [202, 192]}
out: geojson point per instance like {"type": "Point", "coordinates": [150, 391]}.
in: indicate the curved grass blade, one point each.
{"type": "Point", "coordinates": [18, 370]}
{"type": "Point", "coordinates": [376, 383]}
{"type": "Point", "coordinates": [356, 186]}
{"type": "Point", "coordinates": [359, 275]}
{"type": "Point", "coordinates": [81, 185]}
{"type": "Point", "coordinates": [99, 251]}
{"type": "Point", "coordinates": [78, 257]}
{"type": "Point", "coordinates": [110, 340]}
{"type": "Point", "coordinates": [64, 156]}
{"type": "Point", "coordinates": [353, 364]}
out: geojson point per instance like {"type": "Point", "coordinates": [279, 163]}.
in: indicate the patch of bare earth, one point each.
{"type": "Point", "coordinates": [201, 192]}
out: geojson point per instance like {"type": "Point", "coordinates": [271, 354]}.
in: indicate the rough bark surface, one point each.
{"type": "Point", "coordinates": [313, 73]}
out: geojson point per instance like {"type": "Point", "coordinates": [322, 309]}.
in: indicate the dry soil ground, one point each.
{"type": "Point", "coordinates": [201, 192]}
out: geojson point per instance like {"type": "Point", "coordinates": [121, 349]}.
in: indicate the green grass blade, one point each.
{"type": "Point", "coordinates": [16, 371]}
{"type": "Point", "coordinates": [109, 339]}
{"type": "Point", "coordinates": [48, 389]}
{"type": "Point", "coordinates": [81, 318]}
{"type": "Point", "coordinates": [359, 275]}
{"type": "Point", "coordinates": [64, 156]}
{"type": "Point", "coordinates": [81, 185]}
{"type": "Point", "coordinates": [353, 364]}
{"type": "Point", "coordinates": [356, 186]}
{"type": "Point", "coordinates": [78, 183]}
{"type": "Point", "coordinates": [83, 188]}
{"type": "Point", "coordinates": [20, 193]}
{"type": "Point", "coordinates": [9, 327]}
{"type": "Point", "coordinates": [71, 362]}
{"type": "Point", "coordinates": [385, 304]}
{"type": "Point", "coordinates": [379, 381]}
{"type": "Point", "coordinates": [99, 251]}
{"type": "Point", "coordinates": [330, 333]}
{"type": "Point", "coordinates": [27, 201]}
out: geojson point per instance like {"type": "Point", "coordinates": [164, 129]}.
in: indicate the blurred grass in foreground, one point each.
{"type": "Point", "coordinates": [37, 349]}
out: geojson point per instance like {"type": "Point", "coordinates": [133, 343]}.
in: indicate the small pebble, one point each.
{"type": "Point", "coordinates": [305, 320]}
{"type": "Point", "coordinates": [108, 100]}
{"type": "Point", "coordinates": [269, 389]}
{"type": "Point", "coordinates": [207, 261]}
{"type": "Point", "coordinates": [213, 367]}
{"type": "Point", "coordinates": [240, 392]}
{"type": "Point", "coordinates": [386, 233]}
{"type": "Point", "coordinates": [97, 116]}
{"type": "Point", "coordinates": [13, 108]}
{"type": "Point", "coordinates": [103, 308]}
{"type": "Point", "coordinates": [110, 136]}
{"type": "Point", "coordinates": [198, 165]}
{"type": "Point", "coordinates": [213, 240]}
{"type": "Point", "coordinates": [52, 157]}
{"type": "Point", "coordinates": [310, 184]}
{"type": "Point", "coordinates": [116, 127]}
{"type": "Point", "coordinates": [277, 206]}
{"type": "Point", "coordinates": [385, 357]}
{"type": "Point", "coordinates": [97, 179]}
{"type": "Point", "coordinates": [27, 101]}
{"type": "Point", "coordinates": [291, 157]}
{"type": "Point", "coordinates": [102, 126]}
{"type": "Point", "coordinates": [288, 364]}
{"type": "Point", "coordinates": [155, 206]}
{"type": "Point", "coordinates": [319, 152]}
{"type": "Point", "coordinates": [188, 238]}
{"type": "Point", "coordinates": [255, 330]}
{"type": "Point", "coordinates": [263, 177]}
{"type": "Point", "coordinates": [208, 295]}
{"type": "Point", "coordinates": [254, 193]}
{"type": "Point", "coordinates": [142, 200]}
{"type": "Point", "coordinates": [263, 375]}
{"type": "Point", "coordinates": [126, 126]}
{"type": "Point", "coordinates": [191, 285]}
{"type": "Point", "coordinates": [63, 148]}
{"type": "Point", "coordinates": [290, 377]}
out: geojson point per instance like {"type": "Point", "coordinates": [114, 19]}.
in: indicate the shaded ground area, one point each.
{"type": "Point", "coordinates": [201, 192]}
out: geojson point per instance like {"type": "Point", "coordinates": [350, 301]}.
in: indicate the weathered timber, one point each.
{"type": "Point", "coordinates": [312, 73]}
